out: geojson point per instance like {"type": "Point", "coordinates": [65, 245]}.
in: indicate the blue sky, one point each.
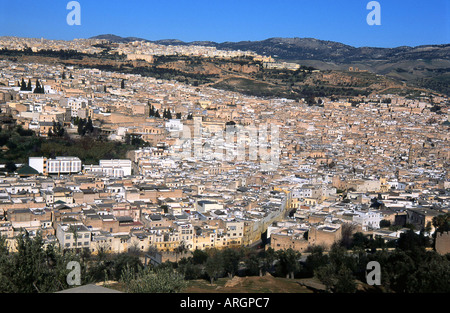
{"type": "Point", "coordinates": [403, 22]}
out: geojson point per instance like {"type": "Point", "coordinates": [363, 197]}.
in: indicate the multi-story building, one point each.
{"type": "Point", "coordinates": [368, 219]}
{"type": "Point", "coordinates": [324, 235]}
{"type": "Point", "coordinates": [59, 165]}
{"type": "Point", "coordinates": [71, 236]}
{"type": "Point", "coordinates": [111, 168]}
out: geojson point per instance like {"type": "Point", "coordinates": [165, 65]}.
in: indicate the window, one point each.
{"type": "Point", "coordinates": [68, 237]}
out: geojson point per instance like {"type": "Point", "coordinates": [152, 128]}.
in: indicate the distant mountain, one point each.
{"type": "Point", "coordinates": [330, 51]}
{"type": "Point", "coordinates": [115, 38]}
{"type": "Point", "coordinates": [427, 65]}
{"type": "Point", "coordinates": [312, 49]}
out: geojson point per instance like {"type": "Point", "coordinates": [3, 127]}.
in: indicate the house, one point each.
{"type": "Point", "coordinates": [422, 217]}
{"type": "Point", "coordinates": [71, 236]}
{"type": "Point", "coordinates": [324, 235]}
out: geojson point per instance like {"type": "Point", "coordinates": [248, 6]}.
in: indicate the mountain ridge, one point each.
{"type": "Point", "coordinates": [214, 43]}
{"type": "Point", "coordinates": [424, 65]}
{"type": "Point", "coordinates": [296, 49]}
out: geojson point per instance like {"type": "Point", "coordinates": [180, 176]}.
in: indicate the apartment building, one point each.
{"type": "Point", "coordinates": [71, 236]}
{"type": "Point", "coordinates": [59, 165]}
{"type": "Point", "coordinates": [111, 168]}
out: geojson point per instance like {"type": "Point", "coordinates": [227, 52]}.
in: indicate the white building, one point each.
{"type": "Point", "coordinates": [368, 219]}
{"type": "Point", "coordinates": [124, 164]}
{"type": "Point", "coordinates": [397, 185]}
{"type": "Point", "coordinates": [73, 236]}
{"type": "Point", "coordinates": [111, 168]}
{"type": "Point", "coordinates": [204, 206]}
{"type": "Point", "coordinates": [174, 125]}
{"type": "Point", "coordinates": [76, 104]}
{"type": "Point", "coordinates": [59, 165]}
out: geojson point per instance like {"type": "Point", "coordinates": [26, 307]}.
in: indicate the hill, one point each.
{"type": "Point", "coordinates": [426, 66]}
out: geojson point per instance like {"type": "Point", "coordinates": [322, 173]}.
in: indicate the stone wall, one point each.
{"type": "Point", "coordinates": [443, 243]}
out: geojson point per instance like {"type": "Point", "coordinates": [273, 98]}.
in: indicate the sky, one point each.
{"type": "Point", "coordinates": [403, 22]}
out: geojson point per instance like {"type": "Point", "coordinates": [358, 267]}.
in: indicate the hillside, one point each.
{"type": "Point", "coordinates": [423, 66]}
{"type": "Point", "coordinates": [244, 74]}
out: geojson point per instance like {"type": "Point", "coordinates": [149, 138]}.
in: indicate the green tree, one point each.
{"type": "Point", "coordinates": [385, 223]}
{"type": "Point", "coordinates": [180, 249]}
{"type": "Point", "coordinates": [159, 280]}
{"type": "Point", "coordinates": [410, 241]}
{"type": "Point", "coordinates": [189, 269]}
{"type": "Point", "coordinates": [396, 271]}
{"type": "Point", "coordinates": [33, 268]}
{"type": "Point", "coordinates": [360, 240]}
{"type": "Point", "coordinates": [37, 88]}
{"type": "Point", "coordinates": [10, 167]}
{"type": "Point", "coordinates": [288, 262]}
{"type": "Point", "coordinates": [5, 267]}
{"type": "Point", "coordinates": [315, 260]}
{"type": "Point", "coordinates": [432, 276]}
{"type": "Point", "coordinates": [336, 279]}
{"type": "Point", "coordinates": [345, 281]}
{"type": "Point", "coordinates": [23, 86]}
{"type": "Point", "coordinates": [81, 129]}
{"type": "Point", "coordinates": [268, 258]}
{"type": "Point", "coordinates": [230, 259]}
{"type": "Point", "coordinates": [337, 274]}
{"type": "Point", "coordinates": [151, 111]}
{"type": "Point", "coordinates": [89, 125]}
{"type": "Point", "coordinates": [199, 257]}
{"type": "Point", "coordinates": [57, 130]}
{"type": "Point", "coordinates": [214, 266]}
{"type": "Point", "coordinates": [441, 222]}
{"type": "Point", "coordinates": [253, 265]}
{"type": "Point", "coordinates": [124, 260]}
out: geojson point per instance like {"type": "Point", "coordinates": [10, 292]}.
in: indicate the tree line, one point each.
{"type": "Point", "coordinates": [167, 114]}
{"type": "Point", "coordinates": [409, 268]}
{"type": "Point", "coordinates": [27, 86]}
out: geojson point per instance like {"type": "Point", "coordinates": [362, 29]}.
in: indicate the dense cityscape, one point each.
{"type": "Point", "coordinates": [106, 166]}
